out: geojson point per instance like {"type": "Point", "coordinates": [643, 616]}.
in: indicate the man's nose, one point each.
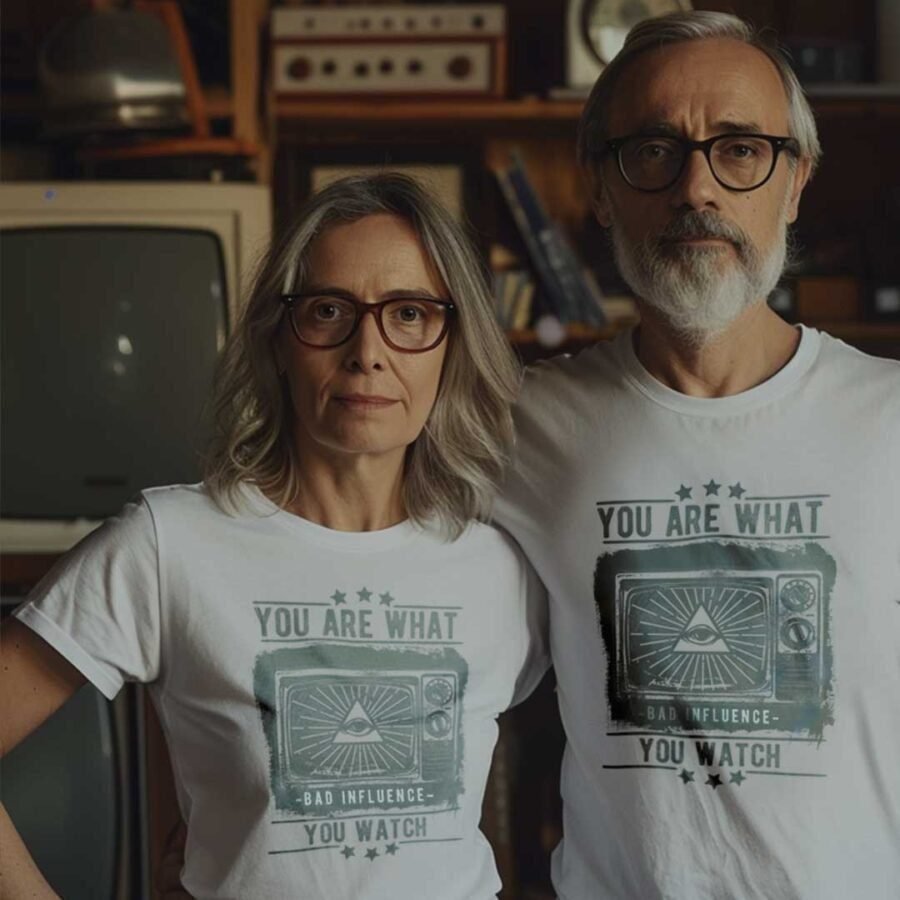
{"type": "Point", "coordinates": [696, 186]}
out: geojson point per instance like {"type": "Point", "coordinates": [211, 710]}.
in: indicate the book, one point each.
{"type": "Point", "coordinates": [565, 293]}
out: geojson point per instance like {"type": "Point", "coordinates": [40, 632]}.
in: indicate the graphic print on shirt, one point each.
{"type": "Point", "coordinates": [361, 705]}
{"type": "Point", "coordinates": [715, 616]}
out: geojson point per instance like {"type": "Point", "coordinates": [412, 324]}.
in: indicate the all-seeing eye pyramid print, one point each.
{"type": "Point", "coordinates": [700, 636]}
{"type": "Point", "coordinates": [351, 728]}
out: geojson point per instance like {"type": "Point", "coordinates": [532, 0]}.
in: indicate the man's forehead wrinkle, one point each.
{"type": "Point", "coordinates": [698, 86]}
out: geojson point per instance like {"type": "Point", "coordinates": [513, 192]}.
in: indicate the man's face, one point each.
{"type": "Point", "coordinates": [697, 252]}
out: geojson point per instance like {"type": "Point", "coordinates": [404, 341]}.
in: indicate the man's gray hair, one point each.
{"type": "Point", "coordinates": [455, 464]}
{"type": "Point", "coordinates": [676, 28]}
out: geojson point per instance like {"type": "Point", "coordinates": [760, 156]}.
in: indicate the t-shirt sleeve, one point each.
{"type": "Point", "coordinates": [537, 655]}
{"type": "Point", "coordinates": [100, 605]}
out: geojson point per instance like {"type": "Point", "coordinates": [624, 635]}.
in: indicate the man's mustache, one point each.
{"type": "Point", "coordinates": [696, 225]}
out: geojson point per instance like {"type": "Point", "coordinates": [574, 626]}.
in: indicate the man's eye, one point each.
{"type": "Point", "coordinates": [654, 151]}
{"type": "Point", "coordinates": [740, 150]}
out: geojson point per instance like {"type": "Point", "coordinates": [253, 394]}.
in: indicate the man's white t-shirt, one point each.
{"type": "Point", "coordinates": [329, 698]}
{"type": "Point", "coordinates": [724, 581]}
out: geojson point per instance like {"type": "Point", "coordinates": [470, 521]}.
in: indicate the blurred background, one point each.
{"type": "Point", "coordinates": [234, 111]}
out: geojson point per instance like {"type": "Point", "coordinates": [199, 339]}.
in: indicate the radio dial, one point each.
{"type": "Point", "coordinates": [439, 692]}
{"type": "Point", "coordinates": [798, 595]}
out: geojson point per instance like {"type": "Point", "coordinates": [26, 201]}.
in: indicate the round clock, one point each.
{"type": "Point", "coordinates": [605, 23]}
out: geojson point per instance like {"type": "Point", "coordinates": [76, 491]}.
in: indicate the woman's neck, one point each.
{"type": "Point", "coordinates": [350, 493]}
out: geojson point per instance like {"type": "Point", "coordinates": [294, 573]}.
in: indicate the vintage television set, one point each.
{"type": "Point", "coordinates": [116, 298]}
{"type": "Point", "coordinates": [738, 640]}
{"type": "Point", "coordinates": [377, 727]}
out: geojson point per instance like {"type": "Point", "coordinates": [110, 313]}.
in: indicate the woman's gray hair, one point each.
{"type": "Point", "coordinates": [454, 465]}
{"type": "Point", "coordinates": [675, 28]}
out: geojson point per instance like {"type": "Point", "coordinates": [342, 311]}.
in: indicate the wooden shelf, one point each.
{"type": "Point", "coordinates": [360, 110]}
{"type": "Point", "coordinates": [441, 111]}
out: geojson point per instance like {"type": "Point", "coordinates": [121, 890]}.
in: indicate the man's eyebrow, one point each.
{"type": "Point", "coordinates": [730, 126]}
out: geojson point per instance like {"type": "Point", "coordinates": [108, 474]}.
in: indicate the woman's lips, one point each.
{"type": "Point", "coordinates": [364, 401]}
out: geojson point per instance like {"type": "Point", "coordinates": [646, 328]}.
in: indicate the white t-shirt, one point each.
{"type": "Point", "coordinates": [724, 581]}
{"type": "Point", "coordinates": [329, 698]}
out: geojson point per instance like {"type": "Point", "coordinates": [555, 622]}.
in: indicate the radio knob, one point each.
{"type": "Point", "coordinates": [300, 68]}
{"type": "Point", "coordinates": [798, 634]}
{"type": "Point", "coordinates": [438, 724]}
{"type": "Point", "coordinates": [414, 66]}
{"type": "Point", "coordinates": [386, 66]}
{"type": "Point", "coordinates": [361, 69]}
{"type": "Point", "coordinates": [459, 67]}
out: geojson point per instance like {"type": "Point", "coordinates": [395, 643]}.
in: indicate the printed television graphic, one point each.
{"type": "Point", "coordinates": [351, 728]}
{"type": "Point", "coordinates": [720, 636]}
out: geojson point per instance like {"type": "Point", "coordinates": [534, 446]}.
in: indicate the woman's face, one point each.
{"type": "Point", "coordinates": [363, 397]}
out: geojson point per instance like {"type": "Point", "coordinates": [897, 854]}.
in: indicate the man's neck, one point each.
{"type": "Point", "coordinates": [756, 346]}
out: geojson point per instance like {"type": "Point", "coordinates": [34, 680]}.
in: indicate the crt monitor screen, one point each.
{"type": "Point", "coordinates": [109, 341]}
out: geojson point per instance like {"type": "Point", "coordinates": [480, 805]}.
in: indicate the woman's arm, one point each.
{"type": "Point", "coordinates": [36, 682]}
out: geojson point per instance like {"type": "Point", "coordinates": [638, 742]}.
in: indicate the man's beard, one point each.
{"type": "Point", "coordinates": [696, 290]}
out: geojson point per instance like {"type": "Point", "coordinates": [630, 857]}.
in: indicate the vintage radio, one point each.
{"type": "Point", "coordinates": [424, 50]}
{"type": "Point", "coordinates": [733, 649]}
{"type": "Point", "coordinates": [372, 728]}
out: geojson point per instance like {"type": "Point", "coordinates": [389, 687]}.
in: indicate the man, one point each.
{"type": "Point", "coordinates": [713, 502]}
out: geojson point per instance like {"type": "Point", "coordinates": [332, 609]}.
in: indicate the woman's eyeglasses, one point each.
{"type": "Point", "coordinates": [410, 324]}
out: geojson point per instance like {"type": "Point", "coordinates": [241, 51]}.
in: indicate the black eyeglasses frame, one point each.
{"type": "Point", "coordinates": [778, 143]}
{"type": "Point", "coordinates": [362, 309]}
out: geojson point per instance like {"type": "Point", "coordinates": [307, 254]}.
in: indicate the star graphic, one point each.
{"type": "Point", "coordinates": [714, 781]}
{"type": "Point", "coordinates": [339, 597]}
{"type": "Point", "coordinates": [738, 777]}
{"type": "Point", "coordinates": [386, 598]}
{"type": "Point", "coordinates": [371, 853]}
{"type": "Point", "coordinates": [391, 848]}
{"type": "Point", "coordinates": [735, 490]}
{"type": "Point", "coordinates": [684, 493]}
{"type": "Point", "coordinates": [712, 489]}
{"type": "Point", "coordinates": [365, 595]}
{"type": "Point", "coordinates": [686, 777]}
{"type": "Point", "coordinates": [347, 852]}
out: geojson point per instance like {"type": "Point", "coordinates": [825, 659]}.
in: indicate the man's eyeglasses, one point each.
{"type": "Point", "coordinates": [410, 325]}
{"type": "Point", "coordinates": [739, 162]}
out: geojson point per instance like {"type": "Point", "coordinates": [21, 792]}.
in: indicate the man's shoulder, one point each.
{"type": "Point", "coordinates": [857, 369]}
{"type": "Point", "coordinates": [572, 373]}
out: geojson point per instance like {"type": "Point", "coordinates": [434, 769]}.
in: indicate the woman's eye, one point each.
{"type": "Point", "coordinates": [325, 311]}
{"type": "Point", "coordinates": [409, 314]}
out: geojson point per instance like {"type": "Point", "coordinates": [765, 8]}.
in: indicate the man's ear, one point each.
{"type": "Point", "coordinates": [802, 171]}
{"type": "Point", "coordinates": [599, 197]}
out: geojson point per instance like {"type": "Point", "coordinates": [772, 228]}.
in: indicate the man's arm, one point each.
{"type": "Point", "coordinates": [36, 682]}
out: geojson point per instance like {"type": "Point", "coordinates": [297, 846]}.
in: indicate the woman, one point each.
{"type": "Point", "coordinates": [326, 632]}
